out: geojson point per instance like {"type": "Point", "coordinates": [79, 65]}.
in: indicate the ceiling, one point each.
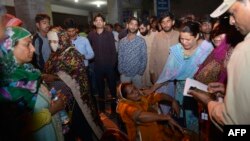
{"type": "Point", "coordinates": [91, 5]}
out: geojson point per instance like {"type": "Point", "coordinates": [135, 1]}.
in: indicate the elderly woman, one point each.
{"type": "Point", "coordinates": [66, 65]}
{"type": "Point", "coordinates": [139, 113]}
{"type": "Point", "coordinates": [20, 84]}
{"type": "Point", "coordinates": [183, 61]}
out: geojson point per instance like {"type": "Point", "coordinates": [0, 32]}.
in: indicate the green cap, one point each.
{"type": "Point", "coordinates": [16, 34]}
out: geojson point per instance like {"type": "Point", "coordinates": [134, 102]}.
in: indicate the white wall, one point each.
{"type": "Point", "coordinates": [55, 8]}
{"type": "Point", "coordinates": [68, 10]}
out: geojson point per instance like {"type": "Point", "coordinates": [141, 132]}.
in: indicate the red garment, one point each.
{"type": "Point", "coordinates": [213, 69]}
{"type": "Point", "coordinates": [10, 20]}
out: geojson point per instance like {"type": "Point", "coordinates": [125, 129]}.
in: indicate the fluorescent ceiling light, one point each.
{"type": "Point", "coordinates": [76, 0]}
{"type": "Point", "coordinates": [99, 3]}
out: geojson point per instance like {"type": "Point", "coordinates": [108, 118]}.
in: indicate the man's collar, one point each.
{"type": "Point", "coordinates": [75, 38]}
{"type": "Point", "coordinates": [247, 36]}
{"type": "Point", "coordinates": [41, 35]}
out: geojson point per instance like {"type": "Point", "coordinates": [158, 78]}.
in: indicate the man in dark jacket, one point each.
{"type": "Point", "coordinates": [41, 42]}
{"type": "Point", "coordinates": [103, 44]}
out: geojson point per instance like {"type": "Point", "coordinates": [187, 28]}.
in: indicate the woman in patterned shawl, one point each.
{"type": "Point", "coordinates": [224, 37]}
{"type": "Point", "coordinates": [67, 64]}
{"type": "Point", "coordinates": [19, 81]}
{"type": "Point", "coordinates": [20, 85]}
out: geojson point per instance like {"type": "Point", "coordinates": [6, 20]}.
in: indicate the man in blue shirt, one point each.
{"type": "Point", "coordinates": [132, 55]}
{"type": "Point", "coordinates": [81, 43]}
{"type": "Point", "coordinates": [83, 46]}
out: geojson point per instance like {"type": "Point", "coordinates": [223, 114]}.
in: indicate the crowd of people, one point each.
{"type": "Point", "coordinates": [144, 66]}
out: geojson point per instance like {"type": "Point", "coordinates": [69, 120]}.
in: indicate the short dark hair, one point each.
{"type": "Point", "coordinates": [117, 24]}
{"type": "Point", "coordinates": [165, 15]}
{"type": "Point", "coordinates": [70, 23]}
{"type": "Point", "coordinates": [110, 25]}
{"type": "Point", "coordinates": [39, 17]}
{"type": "Point", "coordinates": [99, 15]}
{"type": "Point", "coordinates": [191, 27]}
{"type": "Point", "coordinates": [145, 23]}
{"type": "Point", "coordinates": [133, 19]}
{"type": "Point", "coordinates": [153, 19]}
{"type": "Point", "coordinates": [206, 18]}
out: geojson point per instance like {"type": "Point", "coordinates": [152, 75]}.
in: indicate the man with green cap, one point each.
{"type": "Point", "coordinates": [235, 108]}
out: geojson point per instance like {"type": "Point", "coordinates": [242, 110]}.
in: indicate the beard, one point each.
{"type": "Point", "coordinates": [206, 32]}
{"type": "Point", "coordinates": [167, 29]}
{"type": "Point", "coordinates": [144, 33]}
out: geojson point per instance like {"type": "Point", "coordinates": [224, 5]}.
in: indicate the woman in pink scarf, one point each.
{"type": "Point", "coordinates": [213, 69]}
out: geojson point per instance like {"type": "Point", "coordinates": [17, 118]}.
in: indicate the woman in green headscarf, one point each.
{"type": "Point", "coordinates": [20, 84]}
{"type": "Point", "coordinates": [19, 81]}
